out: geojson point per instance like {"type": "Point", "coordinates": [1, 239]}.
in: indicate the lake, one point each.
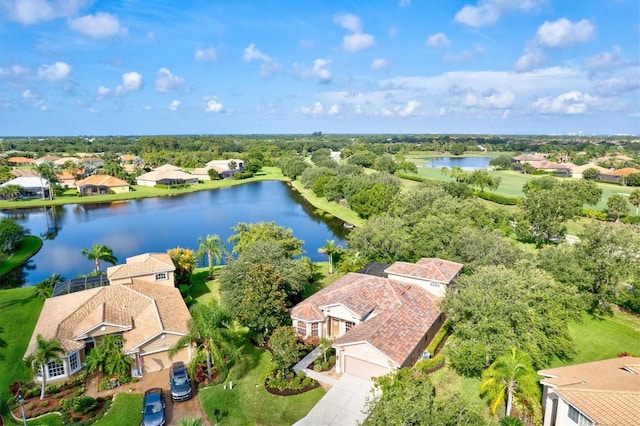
{"type": "Point", "coordinates": [158, 224]}
{"type": "Point", "coordinates": [465, 163]}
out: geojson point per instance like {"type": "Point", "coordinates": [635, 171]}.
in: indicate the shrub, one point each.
{"type": "Point", "coordinates": [435, 342]}
{"type": "Point", "coordinates": [411, 177]}
{"type": "Point", "coordinates": [300, 373]}
{"type": "Point", "coordinates": [317, 368]}
{"type": "Point", "coordinates": [594, 214]}
{"type": "Point", "coordinates": [84, 404]}
{"type": "Point", "coordinates": [631, 220]}
{"type": "Point", "coordinates": [430, 365]}
{"type": "Point", "coordinates": [44, 403]}
{"type": "Point", "coordinates": [245, 175]}
{"type": "Point", "coordinates": [332, 359]}
{"type": "Point", "coordinates": [325, 365]}
{"type": "Point", "coordinates": [497, 198]}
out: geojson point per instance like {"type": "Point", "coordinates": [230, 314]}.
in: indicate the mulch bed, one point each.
{"type": "Point", "coordinates": [289, 392]}
{"type": "Point", "coordinates": [34, 407]}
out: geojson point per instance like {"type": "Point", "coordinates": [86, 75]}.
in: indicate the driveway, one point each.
{"type": "Point", "coordinates": [175, 411]}
{"type": "Point", "coordinates": [342, 405]}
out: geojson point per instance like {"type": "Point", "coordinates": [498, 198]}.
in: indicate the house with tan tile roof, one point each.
{"type": "Point", "coordinates": [166, 176]}
{"type": "Point", "coordinates": [594, 393]}
{"type": "Point", "coordinates": [140, 303]}
{"type": "Point", "coordinates": [101, 184]}
{"type": "Point", "coordinates": [378, 324]}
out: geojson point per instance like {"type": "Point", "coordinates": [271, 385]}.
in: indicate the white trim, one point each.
{"type": "Point", "coordinates": [391, 362]}
{"type": "Point", "coordinates": [161, 332]}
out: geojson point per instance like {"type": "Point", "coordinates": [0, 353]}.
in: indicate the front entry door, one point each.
{"type": "Point", "coordinates": [335, 328]}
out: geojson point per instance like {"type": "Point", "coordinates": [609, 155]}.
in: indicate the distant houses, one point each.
{"type": "Point", "coordinates": [31, 186]}
{"type": "Point", "coordinates": [166, 175]}
{"type": "Point", "coordinates": [101, 185]}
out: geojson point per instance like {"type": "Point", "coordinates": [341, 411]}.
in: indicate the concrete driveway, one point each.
{"type": "Point", "coordinates": [342, 405]}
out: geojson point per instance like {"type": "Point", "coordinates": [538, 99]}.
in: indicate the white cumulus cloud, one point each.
{"type": "Point", "coordinates": [205, 55]}
{"type": "Point", "coordinates": [334, 110]}
{"type": "Point", "coordinates": [570, 103]}
{"type": "Point", "coordinates": [531, 59]}
{"type": "Point", "coordinates": [30, 12]}
{"type": "Point", "coordinates": [98, 26]}
{"type": "Point", "coordinates": [359, 41]}
{"type": "Point", "coordinates": [438, 40]}
{"type": "Point", "coordinates": [102, 92]}
{"type": "Point", "coordinates": [379, 64]}
{"type": "Point", "coordinates": [174, 105]}
{"type": "Point", "coordinates": [131, 82]}
{"type": "Point", "coordinates": [563, 33]}
{"type": "Point", "coordinates": [166, 82]}
{"type": "Point", "coordinates": [488, 12]}
{"type": "Point", "coordinates": [318, 70]}
{"type": "Point", "coordinates": [55, 72]}
{"type": "Point", "coordinates": [267, 65]}
{"type": "Point", "coordinates": [409, 108]}
{"type": "Point", "coordinates": [314, 111]}
{"type": "Point", "coordinates": [213, 105]}
{"type": "Point", "coordinates": [349, 22]}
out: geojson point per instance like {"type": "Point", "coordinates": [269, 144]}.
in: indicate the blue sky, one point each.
{"type": "Point", "coordinates": [82, 67]}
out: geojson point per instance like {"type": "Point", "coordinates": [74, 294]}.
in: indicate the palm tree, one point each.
{"type": "Point", "coordinates": [214, 248]}
{"type": "Point", "coordinates": [210, 326]}
{"type": "Point", "coordinates": [352, 261]}
{"type": "Point", "coordinates": [47, 350]}
{"type": "Point", "coordinates": [511, 421]}
{"type": "Point", "coordinates": [510, 376]}
{"type": "Point", "coordinates": [330, 248]}
{"type": "Point", "coordinates": [99, 252]}
{"type": "Point", "coordinates": [44, 288]}
{"type": "Point", "coordinates": [634, 199]}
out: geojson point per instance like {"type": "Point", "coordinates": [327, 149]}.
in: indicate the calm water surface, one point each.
{"type": "Point", "coordinates": [466, 163]}
{"type": "Point", "coordinates": [158, 224]}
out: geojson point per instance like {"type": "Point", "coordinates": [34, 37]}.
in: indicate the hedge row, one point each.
{"type": "Point", "coordinates": [632, 220]}
{"type": "Point", "coordinates": [430, 365]}
{"type": "Point", "coordinates": [497, 198]}
{"type": "Point", "coordinates": [411, 177]}
{"type": "Point", "coordinates": [435, 342]}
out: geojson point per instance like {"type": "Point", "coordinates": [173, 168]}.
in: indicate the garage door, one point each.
{"type": "Point", "coordinates": [363, 369]}
{"type": "Point", "coordinates": [156, 362]}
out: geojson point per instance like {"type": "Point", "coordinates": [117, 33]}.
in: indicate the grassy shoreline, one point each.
{"type": "Point", "coordinates": [29, 247]}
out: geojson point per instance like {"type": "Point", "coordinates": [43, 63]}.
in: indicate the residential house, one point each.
{"type": "Point", "coordinates": [32, 186]}
{"type": "Point", "coordinates": [101, 184]}
{"type": "Point", "coordinates": [158, 177]}
{"type": "Point", "coordinates": [378, 324]}
{"type": "Point", "coordinates": [594, 393]}
{"type": "Point", "coordinates": [226, 168]}
{"type": "Point", "coordinates": [60, 162]}
{"type": "Point", "coordinates": [577, 171]}
{"type": "Point", "coordinates": [20, 161]}
{"type": "Point", "coordinates": [66, 179]}
{"type": "Point", "coordinates": [140, 303]}
{"type": "Point", "coordinates": [46, 159]}
{"type": "Point", "coordinates": [617, 176]}
{"type": "Point", "coordinates": [92, 162]}
{"type": "Point", "coordinates": [24, 173]}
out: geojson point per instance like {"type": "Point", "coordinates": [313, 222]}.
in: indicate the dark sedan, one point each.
{"type": "Point", "coordinates": [153, 408]}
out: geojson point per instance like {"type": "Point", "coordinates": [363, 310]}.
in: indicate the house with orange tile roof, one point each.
{"type": "Point", "coordinates": [66, 179]}
{"type": "Point", "coordinates": [101, 184]}
{"type": "Point", "coordinates": [140, 303]}
{"type": "Point", "coordinates": [379, 324]}
{"type": "Point", "coordinates": [20, 161]}
{"type": "Point", "coordinates": [617, 176]}
{"type": "Point", "coordinates": [594, 393]}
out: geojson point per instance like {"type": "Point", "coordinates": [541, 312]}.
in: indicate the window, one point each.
{"type": "Point", "coordinates": [302, 328]}
{"type": "Point", "coordinates": [348, 325]}
{"type": "Point", "coordinates": [160, 276]}
{"type": "Point", "coordinates": [314, 329]}
{"type": "Point", "coordinates": [578, 417]}
{"type": "Point", "coordinates": [55, 369]}
{"type": "Point", "coordinates": [74, 362]}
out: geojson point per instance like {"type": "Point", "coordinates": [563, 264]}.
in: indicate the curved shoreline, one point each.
{"type": "Point", "coordinates": [24, 257]}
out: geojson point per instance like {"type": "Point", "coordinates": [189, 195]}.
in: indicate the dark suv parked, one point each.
{"type": "Point", "coordinates": [180, 383]}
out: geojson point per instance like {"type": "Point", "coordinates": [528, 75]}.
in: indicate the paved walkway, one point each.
{"type": "Point", "coordinates": [342, 405]}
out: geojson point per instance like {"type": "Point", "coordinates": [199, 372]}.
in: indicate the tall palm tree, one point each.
{"type": "Point", "coordinates": [330, 248]}
{"type": "Point", "coordinates": [47, 350]}
{"type": "Point", "coordinates": [99, 252]}
{"type": "Point", "coordinates": [634, 199]}
{"type": "Point", "coordinates": [352, 261]}
{"type": "Point", "coordinates": [211, 327]}
{"type": "Point", "coordinates": [213, 248]}
{"type": "Point", "coordinates": [510, 376]}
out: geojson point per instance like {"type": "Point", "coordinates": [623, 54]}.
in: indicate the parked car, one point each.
{"type": "Point", "coordinates": [153, 408]}
{"type": "Point", "coordinates": [180, 382]}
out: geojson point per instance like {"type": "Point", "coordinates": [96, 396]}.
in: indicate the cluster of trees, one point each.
{"type": "Point", "coordinates": [11, 236]}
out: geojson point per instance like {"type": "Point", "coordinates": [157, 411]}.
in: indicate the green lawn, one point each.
{"type": "Point", "coordinates": [19, 312]}
{"type": "Point", "coordinates": [51, 419]}
{"type": "Point", "coordinates": [341, 212]}
{"type": "Point", "coordinates": [125, 411]}
{"type": "Point", "coordinates": [248, 403]}
{"type": "Point", "coordinates": [603, 338]}
{"type": "Point", "coordinates": [30, 246]}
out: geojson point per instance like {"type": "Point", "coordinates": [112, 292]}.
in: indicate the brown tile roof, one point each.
{"type": "Point", "coordinates": [65, 174]}
{"type": "Point", "coordinates": [157, 175]}
{"type": "Point", "coordinates": [101, 180]}
{"type": "Point", "coordinates": [24, 173]}
{"type": "Point", "coordinates": [528, 157]}
{"type": "Point", "coordinates": [168, 168]}
{"type": "Point", "coordinates": [143, 264]}
{"type": "Point", "coordinates": [622, 172]}
{"type": "Point", "coordinates": [400, 324]}
{"type": "Point", "coordinates": [127, 157]}
{"type": "Point", "coordinates": [606, 391]}
{"type": "Point", "coordinates": [20, 160]}
{"type": "Point", "coordinates": [142, 309]}
{"type": "Point", "coordinates": [395, 315]}
{"type": "Point", "coordinates": [432, 269]}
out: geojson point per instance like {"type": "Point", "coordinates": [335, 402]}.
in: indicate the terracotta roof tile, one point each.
{"type": "Point", "coordinates": [101, 180]}
{"type": "Point", "coordinates": [622, 172]}
{"type": "Point", "coordinates": [427, 268]}
{"type": "Point", "coordinates": [607, 391]}
{"type": "Point", "coordinates": [143, 264]}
